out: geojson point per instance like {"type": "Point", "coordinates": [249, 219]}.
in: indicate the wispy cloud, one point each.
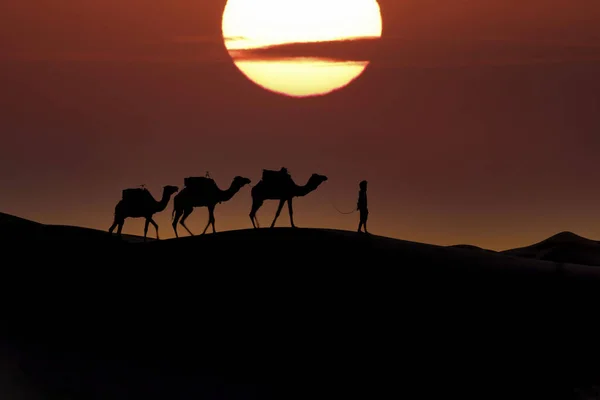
{"type": "Point", "coordinates": [197, 39]}
{"type": "Point", "coordinates": [399, 52]}
{"type": "Point", "coordinates": [235, 38]}
{"type": "Point", "coordinates": [387, 52]}
{"type": "Point", "coordinates": [355, 49]}
{"type": "Point", "coordinates": [115, 57]}
{"type": "Point", "coordinates": [207, 39]}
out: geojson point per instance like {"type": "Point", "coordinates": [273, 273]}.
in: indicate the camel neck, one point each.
{"type": "Point", "coordinates": [306, 189]}
{"type": "Point", "coordinates": [226, 195]}
{"type": "Point", "coordinates": [162, 204]}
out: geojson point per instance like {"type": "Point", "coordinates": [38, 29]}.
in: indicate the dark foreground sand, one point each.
{"type": "Point", "coordinates": [293, 314]}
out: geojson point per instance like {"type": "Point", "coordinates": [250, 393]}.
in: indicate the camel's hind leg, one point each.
{"type": "Point", "coordinates": [256, 204]}
{"type": "Point", "coordinates": [116, 224]}
{"type": "Point", "coordinates": [186, 214]}
{"type": "Point", "coordinates": [178, 213]}
{"type": "Point", "coordinates": [279, 208]}
{"type": "Point", "coordinates": [113, 226]}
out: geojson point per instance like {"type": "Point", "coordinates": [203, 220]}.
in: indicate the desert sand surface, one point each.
{"type": "Point", "coordinates": [294, 313]}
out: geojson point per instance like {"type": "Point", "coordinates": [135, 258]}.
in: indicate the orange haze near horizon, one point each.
{"type": "Point", "coordinates": [475, 122]}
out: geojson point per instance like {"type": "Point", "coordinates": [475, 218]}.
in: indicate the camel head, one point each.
{"type": "Point", "coordinates": [169, 190]}
{"type": "Point", "coordinates": [240, 181]}
{"type": "Point", "coordinates": [316, 179]}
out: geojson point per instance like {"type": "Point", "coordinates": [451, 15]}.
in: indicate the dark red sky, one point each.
{"type": "Point", "coordinates": [476, 122]}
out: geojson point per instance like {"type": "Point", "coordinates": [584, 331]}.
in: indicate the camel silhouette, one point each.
{"type": "Point", "coordinates": [283, 189]}
{"type": "Point", "coordinates": [206, 193]}
{"type": "Point", "coordinates": [139, 203]}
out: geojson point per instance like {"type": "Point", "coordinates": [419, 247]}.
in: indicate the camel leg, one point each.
{"type": "Point", "coordinates": [186, 213]}
{"type": "Point", "coordinates": [211, 218]}
{"type": "Point", "coordinates": [256, 204]}
{"type": "Point", "coordinates": [112, 227]}
{"type": "Point", "coordinates": [146, 228]}
{"type": "Point", "coordinates": [178, 213]}
{"type": "Point", "coordinates": [120, 227]}
{"type": "Point", "coordinates": [291, 212]}
{"type": "Point", "coordinates": [207, 225]}
{"type": "Point", "coordinates": [279, 208]}
{"type": "Point", "coordinates": [155, 227]}
{"type": "Point", "coordinates": [116, 222]}
{"type": "Point", "coordinates": [117, 218]}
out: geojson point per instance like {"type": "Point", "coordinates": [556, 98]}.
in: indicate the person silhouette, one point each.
{"type": "Point", "coordinates": [361, 206]}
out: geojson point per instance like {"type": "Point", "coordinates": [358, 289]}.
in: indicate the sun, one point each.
{"type": "Point", "coordinates": [259, 24]}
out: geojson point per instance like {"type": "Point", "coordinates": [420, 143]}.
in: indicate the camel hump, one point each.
{"type": "Point", "coordinates": [271, 176]}
{"type": "Point", "coordinates": [136, 195]}
{"type": "Point", "coordinates": [199, 183]}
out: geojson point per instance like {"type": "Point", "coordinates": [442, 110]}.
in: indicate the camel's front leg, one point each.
{"type": "Point", "coordinates": [291, 212]}
{"type": "Point", "coordinates": [155, 227]}
{"type": "Point", "coordinates": [146, 228]}
{"type": "Point", "coordinates": [279, 208]}
{"type": "Point", "coordinates": [211, 218]}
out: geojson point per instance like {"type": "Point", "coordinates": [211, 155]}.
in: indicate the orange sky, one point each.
{"type": "Point", "coordinates": [476, 122]}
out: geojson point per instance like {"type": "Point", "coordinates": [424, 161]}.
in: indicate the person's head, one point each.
{"type": "Point", "coordinates": [363, 185]}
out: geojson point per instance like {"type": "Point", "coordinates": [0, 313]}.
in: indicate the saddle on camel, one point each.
{"type": "Point", "coordinates": [136, 195]}
{"type": "Point", "coordinates": [272, 177]}
{"type": "Point", "coordinates": [199, 184]}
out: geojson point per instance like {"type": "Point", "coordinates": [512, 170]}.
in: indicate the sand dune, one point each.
{"type": "Point", "coordinates": [471, 247]}
{"type": "Point", "coordinates": [15, 228]}
{"type": "Point", "coordinates": [565, 247]}
{"type": "Point", "coordinates": [298, 313]}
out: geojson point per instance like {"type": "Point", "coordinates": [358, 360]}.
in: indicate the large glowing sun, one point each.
{"type": "Point", "coordinates": [260, 24]}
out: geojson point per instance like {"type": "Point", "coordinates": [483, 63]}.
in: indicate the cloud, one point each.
{"type": "Point", "coordinates": [206, 39]}
{"type": "Point", "coordinates": [386, 52]}
{"type": "Point", "coordinates": [357, 49]}
{"type": "Point", "coordinates": [235, 38]}
{"type": "Point", "coordinates": [399, 52]}
{"type": "Point", "coordinates": [197, 39]}
{"type": "Point", "coordinates": [115, 57]}
{"type": "Point", "coordinates": [177, 49]}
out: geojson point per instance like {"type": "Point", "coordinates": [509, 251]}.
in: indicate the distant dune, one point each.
{"type": "Point", "coordinates": [564, 247]}
{"type": "Point", "coordinates": [293, 314]}
{"type": "Point", "coordinates": [471, 247]}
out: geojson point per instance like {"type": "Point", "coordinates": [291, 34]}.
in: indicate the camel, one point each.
{"type": "Point", "coordinates": [142, 205]}
{"type": "Point", "coordinates": [284, 191]}
{"type": "Point", "coordinates": [209, 196]}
